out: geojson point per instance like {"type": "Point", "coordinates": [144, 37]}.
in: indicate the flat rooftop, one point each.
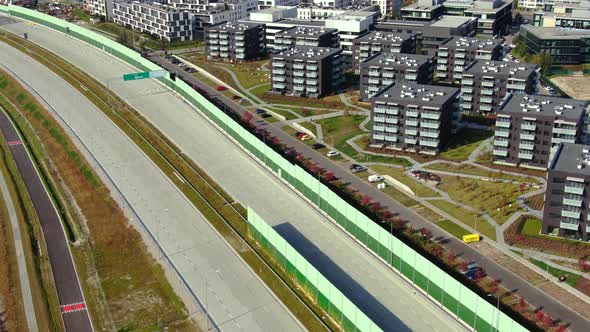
{"type": "Point", "coordinates": [447, 21]}
{"type": "Point", "coordinates": [492, 68]}
{"type": "Point", "coordinates": [420, 7]}
{"type": "Point", "coordinates": [416, 94]}
{"type": "Point", "coordinates": [275, 9]}
{"type": "Point", "coordinates": [306, 31]}
{"type": "Point", "coordinates": [307, 53]}
{"type": "Point", "coordinates": [565, 109]}
{"type": "Point", "coordinates": [397, 60]}
{"type": "Point", "coordinates": [380, 36]}
{"type": "Point", "coordinates": [469, 43]}
{"type": "Point", "coordinates": [556, 33]}
{"type": "Point", "coordinates": [572, 158]}
{"type": "Point", "coordinates": [233, 26]}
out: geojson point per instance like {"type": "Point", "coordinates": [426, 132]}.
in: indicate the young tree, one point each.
{"type": "Point", "coordinates": [451, 256]}
{"type": "Point", "coordinates": [521, 302]}
{"type": "Point", "coordinates": [548, 321]}
{"type": "Point", "coordinates": [365, 200]}
{"type": "Point", "coordinates": [329, 176]}
{"type": "Point", "coordinates": [539, 315]}
{"type": "Point", "coordinates": [561, 328]}
{"type": "Point", "coordinates": [247, 117]}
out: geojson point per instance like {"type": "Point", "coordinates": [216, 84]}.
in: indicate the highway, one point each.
{"type": "Point", "coordinates": [379, 292]}
{"type": "Point", "coordinates": [232, 294]}
{"type": "Point", "coordinates": [69, 291]}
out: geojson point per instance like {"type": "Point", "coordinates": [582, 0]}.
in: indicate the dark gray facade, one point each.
{"type": "Point", "coordinates": [306, 36]}
{"type": "Point", "coordinates": [567, 197]}
{"type": "Point", "coordinates": [413, 117]}
{"type": "Point", "coordinates": [382, 70]}
{"type": "Point", "coordinates": [381, 42]}
{"type": "Point", "coordinates": [566, 46]}
{"type": "Point", "coordinates": [307, 71]}
{"type": "Point", "coordinates": [486, 84]}
{"type": "Point", "coordinates": [235, 41]}
{"type": "Point", "coordinates": [459, 52]}
{"type": "Point", "coordinates": [430, 35]}
{"type": "Point", "coordinates": [529, 129]}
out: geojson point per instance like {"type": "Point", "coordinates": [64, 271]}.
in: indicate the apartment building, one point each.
{"type": "Point", "coordinates": [350, 26]}
{"type": "Point", "coordinates": [305, 71]}
{"type": "Point", "coordinates": [565, 45]}
{"type": "Point", "coordinates": [376, 42]}
{"type": "Point", "coordinates": [158, 20]}
{"type": "Point", "coordinates": [494, 17]}
{"type": "Point", "coordinates": [263, 4]}
{"type": "Point", "coordinates": [459, 52]}
{"type": "Point", "coordinates": [423, 10]}
{"type": "Point", "coordinates": [567, 197]}
{"type": "Point", "coordinates": [486, 84]}
{"type": "Point", "coordinates": [332, 3]}
{"type": "Point", "coordinates": [103, 8]}
{"type": "Point", "coordinates": [413, 117]}
{"type": "Point", "coordinates": [384, 69]}
{"type": "Point", "coordinates": [530, 127]}
{"type": "Point", "coordinates": [388, 8]}
{"type": "Point", "coordinates": [431, 35]}
{"type": "Point", "coordinates": [235, 41]}
{"type": "Point", "coordinates": [306, 36]}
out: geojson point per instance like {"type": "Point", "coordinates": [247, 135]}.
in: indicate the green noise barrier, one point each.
{"type": "Point", "coordinates": [323, 292]}
{"type": "Point", "coordinates": [449, 293]}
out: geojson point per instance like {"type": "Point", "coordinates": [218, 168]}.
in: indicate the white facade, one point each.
{"type": "Point", "coordinates": [99, 7]}
{"type": "Point", "coordinates": [155, 19]}
{"type": "Point", "coordinates": [318, 13]}
{"type": "Point", "coordinates": [333, 3]}
{"type": "Point", "coordinates": [263, 4]}
{"type": "Point", "coordinates": [532, 4]}
{"type": "Point", "coordinates": [350, 26]}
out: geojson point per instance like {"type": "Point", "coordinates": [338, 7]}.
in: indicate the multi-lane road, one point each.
{"type": "Point", "coordinates": [380, 293]}
{"type": "Point", "coordinates": [69, 291]}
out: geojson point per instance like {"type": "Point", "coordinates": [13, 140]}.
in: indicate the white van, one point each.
{"type": "Point", "coordinates": [375, 178]}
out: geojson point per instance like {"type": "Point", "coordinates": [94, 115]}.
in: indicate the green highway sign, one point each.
{"type": "Point", "coordinates": [144, 75]}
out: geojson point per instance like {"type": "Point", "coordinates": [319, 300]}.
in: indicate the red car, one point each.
{"type": "Point", "coordinates": [220, 88]}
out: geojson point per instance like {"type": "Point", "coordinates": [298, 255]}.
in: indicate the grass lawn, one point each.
{"type": "Point", "coordinates": [455, 230]}
{"type": "Point", "coordinates": [532, 226]}
{"type": "Point", "coordinates": [248, 73]}
{"type": "Point", "coordinates": [419, 189]}
{"type": "Point", "coordinates": [81, 14]}
{"type": "Point", "coordinates": [572, 278]}
{"type": "Point", "coordinates": [474, 170]}
{"type": "Point", "coordinates": [463, 143]}
{"type": "Point", "coordinates": [309, 126]}
{"type": "Point", "coordinates": [467, 217]}
{"type": "Point", "coordinates": [496, 199]}
{"type": "Point", "coordinates": [288, 115]}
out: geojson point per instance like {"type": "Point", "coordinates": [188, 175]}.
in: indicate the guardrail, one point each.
{"type": "Point", "coordinates": [455, 297]}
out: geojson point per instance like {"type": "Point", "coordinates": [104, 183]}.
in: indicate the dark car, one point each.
{"type": "Point", "coordinates": [266, 115]}
{"type": "Point", "coordinates": [353, 166]}
{"type": "Point", "coordinates": [259, 111]}
{"type": "Point", "coordinates": [357, 168]}
{"type": "Point", "coordinates": [317, 146]}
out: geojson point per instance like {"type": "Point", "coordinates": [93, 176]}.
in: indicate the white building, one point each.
{"type": "Point", "coordinates": [317, 13]}
{"type": "Point", "coordinates": [102, 8]}
{"type": "Point", "coordinates": [155, 19]}
{"type": "Point", "coordinates": [332, 3]}
{"type": "Point", "coordinates": [388, 8]}
{"type": "Point", "coordinates": [350, 25]}
{"type": "Point", "coordinates": [263, 4]}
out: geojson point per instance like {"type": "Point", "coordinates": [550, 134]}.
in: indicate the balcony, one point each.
{"type": "Point", "coordinates": [431, 134]}
{"type": "Point", "coordinates": [277, 64]}
{"type": "Point", "coordinates": [502, 133]}
{"type": "Point", "coordinates": [224, 49]}
{"type": "Point", "coordinates": [312, 89]}
{"type": "Point", "coordinates": [520, 87]}
{"type": "Point", "coordinates": [571, 226]}
{"type": "Point", "coordinates": [312, 75]}
{"type": "Point", "coordinates": [279, 86]}
{"type": "Point", "coordinates": [378, 128]}
{"type": "Point", "coordinates": [393, 129]}
{"type": "Point", "coordinates": [298, 66]}
{"type": "Point", "coordinates": [459, 62]}
{"type": "Point", "coordinates": [299, 88]}
{"type": "Point", "coordinates": [298, 73]}
{"type": "Point", "coordinates": [487, 92]}
{"type": "Point", "coordinates": [223, 42]}
{"type": "Point", "coordinates": [411, 141]}
{"type": "Point", "coordinates": [565, 130]}
{"type": "Point", "coordinates": [365, 47]}
{"type": "Point", "coordinates": [214, 41]}
{"type": "Point", "coordinates": [412, 113]}
{"type": "Point", "coordinates": [393, 110]}
{"type": "Point", "coordinates": [570, 214]}
{"type": "Point", "coordinates": [429, 124]}
{"type": "Point", "coordinates": [278, 71]}
{"type": "Point", "coordinates": [278, 79]}
{"type": "Point", "coordinates": [485, 100]}
{"type": "Point", "coordinates": [392, 120]}
{"type": "Point", "coordinates": [239, 44]}
{"type": "Point", "coordinates": [442, 61]}
{"type": "Point", "coordinates": [214, 48]}
{"type": "Point", "coordinates": [502, 153]}
{"type": "Point", "coordinates": [213, 35]}
{"type": "Point", "coordinates": [239, 37]}
{"type": "Point", "coordinates": [412, 122]}
{"type": "Point", "coordinates": [430, 115]}
{"type": "Point", "coordinates": [526, 145]}
{"type": "Point", "coordinates": [467, 89]}
{"type": "Point", "coordinates": [441, 74]}
{"type": "Point", "coordinates": [574, 189]}
{"type": "Point", "coordinates": [467, 97]}
{"type": "Point", "coordinates": [312, 82]}
{"type": "Point", "coordinates": [487, 84]}
{"type": "Point", "coordinates": [378, 137]}
{"type": "Point", "coordinates": [557, 140]}
{"type": "Point", "coordinates": [528, 126]}
{"type": "Point", "coordinates": [466, 106]}
{"type": "Point", "coordinates": [299, 81]}
{"type": "Point", "coordinates": [411, 132]}
{"type": "Point", "coordinates": [223, 36]}
{"type": "Point", "coordinates": [458, 69]}
{"type": "Point", "coordinates": [525, 155]}
{"type": "Point", "coordinates": [388, 74]}
{"type": "Point", "coordinates": [528, 137]}
{"type": "Point", "coordinates": [503, 123]}
{"type": "Point", "coordinates": [374, 81]}
{"type": "Point", "coordinates": [443, 54]}
{"type": "Point", "coordinates": [411, 77]}
{"type": "Point", "coordinates": [224, 54]}
{"type": "Point", "coordinates": [460, 55]}
{"type": "Point", "coordinates": [502, 142]}
{"type": "Point", "coordinates": [312, 67]}
{"type": "Point", "coordinates": [214, 53]}
{"type": "Point", "coordinates": [441, 67]}
{"type": "Point", "coordinates": [374, 73]}
{"type": "Point", "coordinates": [571, 201]}
{"type": "Point", "coordinates": [467, 82]}
{"type": "Point", "coordinates": [378, 119]}
{"type": "Point", "coordinates": [379, 109]}
{"type": "Point", "coordinates": [430, 143]}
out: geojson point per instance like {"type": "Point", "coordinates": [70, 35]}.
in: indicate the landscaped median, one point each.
{"type": "Point", "coordinates": [222, 212]}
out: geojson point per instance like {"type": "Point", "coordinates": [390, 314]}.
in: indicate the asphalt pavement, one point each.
{"type": "Point", "coordinates": [216, 277]}
{"type": "Point", "coordinates": [379, 292]}
{"type": "Point", "coordinates": [511, 281]}
{"type": "Point", "coordinates": [71, 299]}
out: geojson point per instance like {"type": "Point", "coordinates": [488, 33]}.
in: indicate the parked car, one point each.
{"type": "Point", "coordinates": [359, 169]}
{"type": "Point", "coordinates": [265, 115]}
{"type": "Point", "coordinates": [304, 137]}
{"type": "Point", "coordinates": [260, 111]}
{"type": "Point", "coordinates": [318, 146]}
{"type": "Point", "coordinates": [220, 88]}
{"type": "Point", "coordinates": [332, 153]}
{"type": "Point", "coordinates": [353, 166]}
{"type": "Point", "coordinates": [375, 178]}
